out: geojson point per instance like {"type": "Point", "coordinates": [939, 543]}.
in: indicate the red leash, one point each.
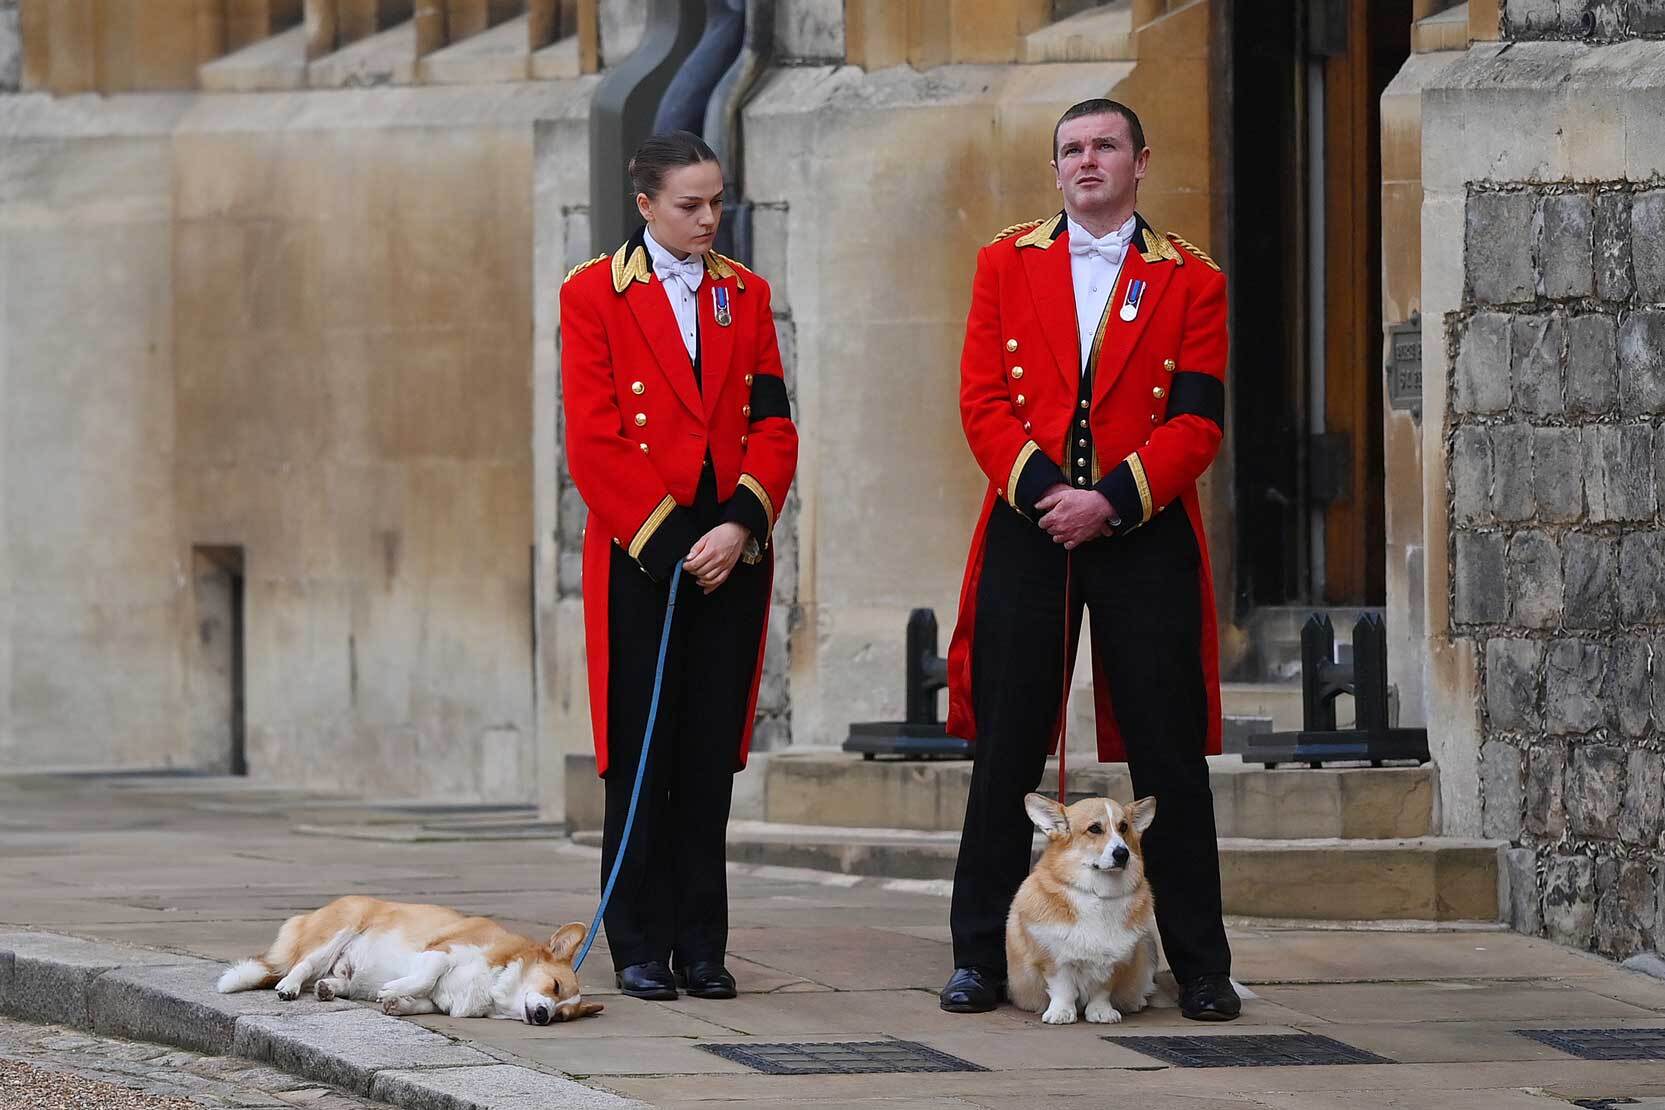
{"type": "Point", "coordinates": [1064, 707]}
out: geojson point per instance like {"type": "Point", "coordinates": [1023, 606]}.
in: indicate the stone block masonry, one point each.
{"type": "Point", "coordinates": [1555, 443]}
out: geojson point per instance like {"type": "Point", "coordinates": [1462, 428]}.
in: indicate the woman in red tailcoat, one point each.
{"type": "Point", "coordinates": [681, 443]}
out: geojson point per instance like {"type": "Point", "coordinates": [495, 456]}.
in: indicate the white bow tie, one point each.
{"type": "Point", "coordinates": [689, 271]}
{"type": "Point", "coordinates": [1111, 247]}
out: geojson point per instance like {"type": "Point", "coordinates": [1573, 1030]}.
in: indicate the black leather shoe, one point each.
{"type": "Point", "coordinates": [1210, 998]}
{"type": "Point", "coordinates": [706, 979]}
{"type": "Point", "coordinates": [972, 990]}
{"type": "Point", "coordinates": [651, 981]}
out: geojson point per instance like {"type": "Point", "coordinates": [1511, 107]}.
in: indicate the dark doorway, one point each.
{"type": "Point", "coordinates": [216, 704]}
{"type": "Point", "coordinates": [1304, 221]}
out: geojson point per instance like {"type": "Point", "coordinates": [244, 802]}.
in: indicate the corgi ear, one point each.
{"type": "Point", "coordinates": [583, 1010]}
{"type": "Point", "coordinates": [563, 944]}
{"type": "Point", "coordinates": [1048, 816]}
{"type": "Point", "coordinates": [1141, 813]}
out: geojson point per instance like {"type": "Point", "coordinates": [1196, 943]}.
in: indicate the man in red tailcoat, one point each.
{"type": "Point", "coordinates": [1093, 396]}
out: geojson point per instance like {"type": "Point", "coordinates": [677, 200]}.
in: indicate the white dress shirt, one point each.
{"type": "Point", "coordinates": [1095, 264]}
{"type": "Point", "coordinates": [681, 279]}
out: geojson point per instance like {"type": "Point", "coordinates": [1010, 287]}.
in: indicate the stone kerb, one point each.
{"type": "Point", "coordinates": [1556, 452]}
{"type": "Point", "coordinates": [164, 998]}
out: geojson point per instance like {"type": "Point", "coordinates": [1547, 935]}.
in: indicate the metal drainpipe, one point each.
{"type": "Point", "coordinates": [622, 112]}
{"type": "Point", "coordinates": [723, 125]}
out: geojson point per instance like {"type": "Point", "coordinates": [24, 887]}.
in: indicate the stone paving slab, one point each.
{"type": "Point", "coordinates": [347, 1048]}
{"type": "Point", "coordinates": [1458, 1000]}
{"type": "Point", "coordinates": [1403, 1087]}
{"type": "Point", "coordinates": [633, 1056]}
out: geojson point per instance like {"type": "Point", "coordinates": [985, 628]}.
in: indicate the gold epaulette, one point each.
{"type": "Point", "coordinates": [581, 267]}
{"type": "Point", "coordinates": [1027, 225]}
{"type": "Point", "coordinates": [1196, 250]}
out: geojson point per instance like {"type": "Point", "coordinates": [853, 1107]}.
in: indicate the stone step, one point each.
{"type": "Point", "coordinates": [1413, 879]}
{"type": "Point", "coordinates": [839, 789]}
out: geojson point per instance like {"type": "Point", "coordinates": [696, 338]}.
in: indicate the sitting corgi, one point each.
{"type": "Point", "coordinates": [1083, 925]}
{"type": "Point", "coordinates": [418, 959]}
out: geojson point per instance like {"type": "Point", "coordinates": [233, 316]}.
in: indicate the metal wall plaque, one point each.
{"type": "Point", "coordinates": [1404, 364]}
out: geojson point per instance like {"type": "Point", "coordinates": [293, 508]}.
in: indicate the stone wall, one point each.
{"type": "Point", "coordinates": [1593, 21]}
{"type": "Point", "coordinates": [1556, 452]}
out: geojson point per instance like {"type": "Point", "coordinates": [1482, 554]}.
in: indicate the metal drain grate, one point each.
{"type": "Point", "coordinates": [839, 1057]}
{"type": "Point", "coordinates": [1272, 1050]}
{"type": "Point", "coordinates": [1603, 1044]}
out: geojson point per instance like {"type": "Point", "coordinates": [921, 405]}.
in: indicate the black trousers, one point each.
{"type": "Point", "coordinates": [671, 900]}
{"type": "Point", "coordinates": [1141, 593]}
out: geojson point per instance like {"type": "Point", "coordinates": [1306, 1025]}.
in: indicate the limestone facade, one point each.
{"type": "Point", "coordinates": [313, 323]}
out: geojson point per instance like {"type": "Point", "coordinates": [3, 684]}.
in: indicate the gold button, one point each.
{"type": "Point", "coordinates": [1027, 425]}
{"type": "Point", "coordinates": [1022, 400]}
{"type": "Point", "coordinates": [1080, 481]}
{"type": "Point", "coordinates": [742, 441]}
{"type": "Point", "coordinates": [643, 446]}
{"type": "Point", "coordinates": [1011, 344]}
{"type": "Point", "coordinates": [1083, 402]}
{"type": "Point", "coordinates": [1153, 418]}
{"type": "Point", "coordinates": [637, 388]}
{"type": "Point", "coordinates": [1168, 365]}
{"type": "Point", "coordinates": [748, 379]}
{"type": "Point", "coordinates": [641, 418]}
{"type": "Point", "coordinates": [1159, 393]}
{"type": "Point", "coordinates": [1017, 372]}
{"type": "Point", "coordinates": [1081, 443]}
{"type": "Point", "coordinates": [745, 410]}
{"type": "Point", "coordinates": [1083, 423]}
{"type": "Point", "coordinates": [1080, 462]}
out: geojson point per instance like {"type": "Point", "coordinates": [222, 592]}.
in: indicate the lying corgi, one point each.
{"type": "Point", "coordinates": [1083, 925]}
{"type": "Point", "coordinates": [417, 959]}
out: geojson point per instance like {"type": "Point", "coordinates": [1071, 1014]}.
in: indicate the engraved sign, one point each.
{"type": "Point", "coordinates": [1404, 364]}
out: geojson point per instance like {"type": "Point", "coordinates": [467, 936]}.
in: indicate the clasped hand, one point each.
{"type": "Point", "coordinates": [713, 556]}
{"type": "Point", "coordinates": [1074, 516]}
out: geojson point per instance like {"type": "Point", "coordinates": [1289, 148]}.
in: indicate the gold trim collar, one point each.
{"type": "Point", "coordinates": [630, 265]}
{"type": "Point", "coordinates": [1158, 249]}
{"type": "Point", "coordinates": [722, 267]}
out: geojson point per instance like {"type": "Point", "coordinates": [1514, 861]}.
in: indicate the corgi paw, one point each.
{"type": "Point", "coordinates": [288, 991]}
{"type": "Point", "coordinates": [395, 1005]}
{"type": "Point", "coordinates": [325, 990]}
{"type": "Point", "coordinates": [1103, 1013]}
{"type": "Point", "coordinates": [1059, 1014]}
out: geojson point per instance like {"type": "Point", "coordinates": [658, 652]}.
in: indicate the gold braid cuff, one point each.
{"type": "Point", "coordinates": [1017, 471]}
{"type": "Point", "coordinates": [762, 496]}
{"type": "Point", "coordinates": [1143, 483]}
{"type": "Point", "coordinates": [651, 525]}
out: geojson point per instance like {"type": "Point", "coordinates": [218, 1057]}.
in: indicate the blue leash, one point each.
{"type": "Point", "coordinates": [641, 771]}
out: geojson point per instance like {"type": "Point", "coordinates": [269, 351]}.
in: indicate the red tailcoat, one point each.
{"type": "Point", "coordinates": [1155, 420]}
{"type": "Point", "coordinates": [639, 427]}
